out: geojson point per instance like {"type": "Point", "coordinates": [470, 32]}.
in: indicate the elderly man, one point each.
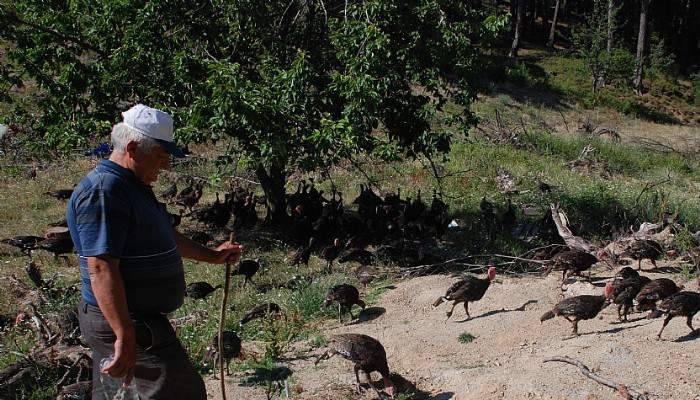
{"type": "Point", "coordinates": [131, 262]}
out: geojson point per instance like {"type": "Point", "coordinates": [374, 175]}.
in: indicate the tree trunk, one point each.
{"type": "Point", "coordinates": [272, 180]}
{"type": "Point", "coordinates": [520, 13]}
{"type": "Point", "coordinates": [553, 29]}
{"type": "Point", "coordinates": [563, 9]}
{"type": "Point", "coordinates": [639, 72]}
{"type": "Point", "coordinates": [611, 24]}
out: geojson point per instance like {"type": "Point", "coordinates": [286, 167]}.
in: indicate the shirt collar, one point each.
{"type": "Point", "coordinates": [111, 166]}
{"type": "Point", "coordinates": [118, 170]}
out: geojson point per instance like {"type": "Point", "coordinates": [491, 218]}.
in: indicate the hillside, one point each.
{"type": "Point", "coordinates": [532, 128]}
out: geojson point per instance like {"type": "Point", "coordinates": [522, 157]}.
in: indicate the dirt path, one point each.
{"type": "Point", "coordinates": [504, 361]}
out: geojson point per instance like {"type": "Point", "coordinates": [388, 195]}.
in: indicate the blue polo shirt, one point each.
{"type": "Point", "coordinates": [112, 212]}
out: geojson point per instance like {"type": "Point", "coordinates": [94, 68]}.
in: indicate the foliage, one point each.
{"type": "Point", "coordinates": [296, 84]}
{"type": "Point", "coordinates": [660, 58]}
{"type": "Point", "coordinates": [591, 42]}
{"type": "Point", "coordinates": [619, 66]}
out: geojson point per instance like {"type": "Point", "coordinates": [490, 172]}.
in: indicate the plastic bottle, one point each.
{"type": "Point", "coordinates": [114, 388]}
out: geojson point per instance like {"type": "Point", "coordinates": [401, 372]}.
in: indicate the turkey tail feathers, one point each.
{"type": "Point", "coordinates": [546, 316]}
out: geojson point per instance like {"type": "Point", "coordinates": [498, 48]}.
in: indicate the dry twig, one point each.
{"type": "Point", "coordinates": [603, 381]}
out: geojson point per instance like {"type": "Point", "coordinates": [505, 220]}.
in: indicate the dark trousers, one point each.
{"type": "Point", "coordinates": [163, 370]}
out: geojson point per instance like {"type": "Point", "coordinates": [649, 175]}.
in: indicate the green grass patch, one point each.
{"type": "Point", "coordinates": [465, 338]}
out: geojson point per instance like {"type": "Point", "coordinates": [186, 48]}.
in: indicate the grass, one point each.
{"type": "Point", "coordinates": [465, 338]}
{"type": "Point", "coordinates": [552, 79]}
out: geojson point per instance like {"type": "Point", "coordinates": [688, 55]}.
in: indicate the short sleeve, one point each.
{"type": "Point", "coordinates": [102, 222]}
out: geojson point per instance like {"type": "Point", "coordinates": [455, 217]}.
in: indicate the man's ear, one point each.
{"type": "Point", "coordinates": [131, 148]}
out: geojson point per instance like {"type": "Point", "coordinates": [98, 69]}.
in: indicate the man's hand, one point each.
{"type": "Point", "coordinates": [225, 252]}
{"type": "Point", "coordinates": [228, 252]}
{"type": "Point", "coordinates": [124, 359]}
{"type": "Point", "coordinates": [108, 287]}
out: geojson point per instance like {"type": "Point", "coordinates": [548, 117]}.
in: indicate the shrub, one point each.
{"type": "Point", "coordinates": [619, 67]}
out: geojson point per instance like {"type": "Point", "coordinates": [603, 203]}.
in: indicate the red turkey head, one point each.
{"type": "Point", "coordinates": [608, 291]}
{"type": "Point", "coordinates": [491, 272]}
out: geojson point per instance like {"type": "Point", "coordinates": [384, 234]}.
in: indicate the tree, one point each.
{"type": "Point", "coordinates": [611, 24]}
{"type": "Point", "coordinates": [286, 84]}
{"type": "Point", "coordinates": [518, 11]}
{"type": "Point", "coordinates": [591, 39]}
{"type": "Point", "coordinates": [639, 70]}
{"type": "Point", "coordinates": [553, 29]}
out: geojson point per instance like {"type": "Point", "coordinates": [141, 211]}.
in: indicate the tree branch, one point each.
{"type": "Point", "coordinates": [635, 395]}
{"type": "Point", "coordinates": [15, 18]}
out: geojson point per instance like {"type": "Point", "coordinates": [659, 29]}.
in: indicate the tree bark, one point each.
{"type": "Point", "coordinates": [611, 24]}
{"type": "Point", "coordinates": [272, 180]}
{"type": "Point", "coordinates": [520, 13]}
{"type": "Point", "coordinates": [553, 29]}
{"type": "Point", "coordinates": [639, 71]}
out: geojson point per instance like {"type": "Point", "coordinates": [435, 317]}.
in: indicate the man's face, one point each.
{"type": "Point", "coordinates": [147, 166]}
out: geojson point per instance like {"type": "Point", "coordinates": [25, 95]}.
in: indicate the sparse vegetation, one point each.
{"type": "Point", "coordinates": [466, 338]}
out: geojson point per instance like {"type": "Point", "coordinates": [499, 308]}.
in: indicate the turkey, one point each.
{"type": "Point", "coordinates": [303, 253]}
{"type": "Point", "coordinates": [643, 249]}
{"type": "Point", "coordinates": [346, 296]}
{"type": "Point", "coordinates": [360, 256]}
{"type": "Point", "coordinates": [232, 349]}
{"type": "Point", "coordinates": [465, 290]}
{"type": "Point", "coordinates": [25, 243]}
{"type": "Point", "coordinates": [579, 308]}
{"type": "Point", "coordinates": [200, 290]}
{"type": "Point", "coordinates": [681, 304]}
{"type": "Point", "coordinates": [571, 261]}
{"type": "Point", "coordinates": [200, 237]}
{"type": "Point", "coordinates": [330, 253]}
{"type": "Point", "coordinates": [58, 245]}
{"type": "Point", "coordinates": [175, 219]}
{"type": "Point", "coordinates": [260, 312]}
{"type": "Point", "coordinates": [190, 195]}
{"type": "Point", "coordinates": [170, 192]}
{"type": "Point", "coordinates": [626, 273]}
{"type": "Point", "coordinates": [216, 214]}
{"type": "Point", "coordinates": [656, 290]}
{"type": "Point", "coordinates": [247, 268]}
{"type": "Point", "coordinates": [34, 274]}
{"type": "Point", "coordinates": [624, 292]}
{"type": "Point", "coordinates": [367, 354]}
{"type": "Point", "coordinates": [61, 194]}
{"type": "Point", "coordinates": [365, 275]}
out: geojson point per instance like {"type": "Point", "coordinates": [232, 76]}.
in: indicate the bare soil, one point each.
{"type": "Point", "coordinates": [504, 361]}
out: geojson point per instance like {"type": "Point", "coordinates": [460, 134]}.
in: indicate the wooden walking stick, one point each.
{"type": "Point", "coordinates": [222, 318]}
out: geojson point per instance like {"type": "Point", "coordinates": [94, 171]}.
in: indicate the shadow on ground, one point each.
{"type": "Point", "coordinates": [502, 310]}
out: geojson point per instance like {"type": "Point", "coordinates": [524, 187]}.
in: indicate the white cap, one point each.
{"type": "Point", "coordinates": [154, 123]}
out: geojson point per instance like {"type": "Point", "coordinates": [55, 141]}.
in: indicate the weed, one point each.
{"type": "Point", "coordinates": [466, 338]}
{"type": "Point", "coordinates": [687, 273]}
{"type": "Point", "coordinates": [319, 341]}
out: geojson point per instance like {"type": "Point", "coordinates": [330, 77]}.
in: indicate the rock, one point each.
{"type": "Point", "coordinates": [582, 288]}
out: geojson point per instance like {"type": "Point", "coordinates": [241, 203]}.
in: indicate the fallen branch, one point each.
{"type": "Point", "coordinates": [426, 268]}
{"type": "Point", "coordinates": [574, 242]}
{"type": "Point", "coordinates": [635, 395]}
{"type": "Point", "coordinates": [46, 337]}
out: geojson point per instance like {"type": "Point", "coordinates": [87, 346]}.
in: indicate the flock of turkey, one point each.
{"type": "Point", "coordinates": [391, 226]}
